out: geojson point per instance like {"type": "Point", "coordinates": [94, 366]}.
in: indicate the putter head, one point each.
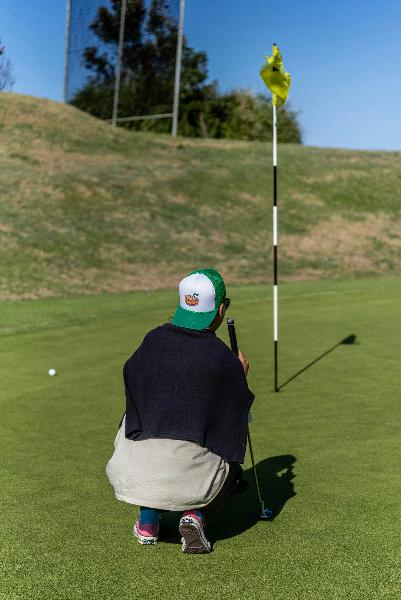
{"type": "Point", "coordinates": [265, 514]}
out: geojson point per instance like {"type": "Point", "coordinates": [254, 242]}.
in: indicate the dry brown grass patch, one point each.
{"type": "Point", "coordinates": [177, 198]}
{"type": "Point", "coordinates": [5, 227]}
{"type": "Point", "coordinates": [349, 243]}
{"type": "Point", "coordinates": [252, 198]}
{"type": "Point", "coordinates": [208, 211]}
{"type": "Point", "coordinates": [306, 197]}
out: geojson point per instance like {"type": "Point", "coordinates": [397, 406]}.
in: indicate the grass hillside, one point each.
{"type": "Point", "coordinates": [86, 208]}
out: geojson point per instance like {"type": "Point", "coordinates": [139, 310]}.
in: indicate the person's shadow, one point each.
{"type": "Point", "coordinates": [241, 511]}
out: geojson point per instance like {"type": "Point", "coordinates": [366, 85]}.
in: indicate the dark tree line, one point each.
{"type": "Point", "coordinates": [6, 76]}
{"type": "Point", "coordinates": [147, 80]}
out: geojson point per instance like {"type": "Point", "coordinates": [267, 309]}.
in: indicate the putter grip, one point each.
{"type": "Point", "coordinates": [233, 336]}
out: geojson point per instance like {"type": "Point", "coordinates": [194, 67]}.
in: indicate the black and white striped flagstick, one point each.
{"type": "Point", "coordinates": [275, 253]}
{"type": "Point", "coordinates": [278, 82]}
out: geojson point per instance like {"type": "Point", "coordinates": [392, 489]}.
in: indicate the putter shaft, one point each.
{"type": "Point", "coordinates": [265, 512]}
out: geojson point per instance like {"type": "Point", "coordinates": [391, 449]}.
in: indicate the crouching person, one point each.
{"type": "Point", "coordinates": [183, 435]}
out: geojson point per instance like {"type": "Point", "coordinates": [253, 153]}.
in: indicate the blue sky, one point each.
{"type": "Point", "coordinates": [344, 57]}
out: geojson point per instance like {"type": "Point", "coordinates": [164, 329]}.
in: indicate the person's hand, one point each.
{"type": "Point", "coordinates": [244, 362]}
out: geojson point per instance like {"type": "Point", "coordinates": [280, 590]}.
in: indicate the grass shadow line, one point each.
{"type": "Point", "coordinates": [349, 340]}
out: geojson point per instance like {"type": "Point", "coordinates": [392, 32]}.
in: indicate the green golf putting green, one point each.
{"type": "Point", "coordinates": [326, 446]}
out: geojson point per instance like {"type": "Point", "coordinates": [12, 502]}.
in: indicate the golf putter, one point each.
{"type": "Point", "coordinates": [265, 513]}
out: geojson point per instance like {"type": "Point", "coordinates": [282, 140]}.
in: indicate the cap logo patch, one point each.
{"type": "Point", "coordinates": [191, 300]}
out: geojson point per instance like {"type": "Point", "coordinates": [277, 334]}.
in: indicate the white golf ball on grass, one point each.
{"type": "Point", "coordinates": [52, 372]}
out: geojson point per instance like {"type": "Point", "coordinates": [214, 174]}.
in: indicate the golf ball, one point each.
{"type": "Point", "coordinates": [52, 372]}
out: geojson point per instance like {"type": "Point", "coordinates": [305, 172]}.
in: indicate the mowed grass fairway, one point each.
{"type": "Point", "coordinates": [331, 437]}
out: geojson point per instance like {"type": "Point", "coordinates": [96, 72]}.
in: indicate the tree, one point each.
{"type": "Point", "coordinates": [6, 78]}
{"type": "Point", "coordinates": [148, 61]}
{"type": "Point", "coordinates": [147, 80]}
{"type": "Point", "coordinates": [245, 116]}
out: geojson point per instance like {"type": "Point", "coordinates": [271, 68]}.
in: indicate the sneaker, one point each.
{"type": "Point", "coordinates": [193, 536]}
{"type": "Point", "coordinates": [146, 534]}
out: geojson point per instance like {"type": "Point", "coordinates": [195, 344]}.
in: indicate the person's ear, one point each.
{"type": "Point", "coordinates": [222, 310]}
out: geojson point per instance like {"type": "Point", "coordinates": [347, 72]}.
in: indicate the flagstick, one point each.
{"type": "Point", "coordinates": [275, 258]}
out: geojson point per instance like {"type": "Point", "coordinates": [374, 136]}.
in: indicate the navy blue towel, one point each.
{"type": "Point", "coordinates": [184, 384]}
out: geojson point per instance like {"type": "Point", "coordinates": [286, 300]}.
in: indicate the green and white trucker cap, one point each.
{"type": "Point", "coordinates": [200, 296]}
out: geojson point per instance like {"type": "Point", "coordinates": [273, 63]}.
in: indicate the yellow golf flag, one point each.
{"type": "Point", "coordinates": [275, 78]}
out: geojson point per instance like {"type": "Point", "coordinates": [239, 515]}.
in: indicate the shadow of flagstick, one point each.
{"type": "Point", "coordinates": [349, 340]}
